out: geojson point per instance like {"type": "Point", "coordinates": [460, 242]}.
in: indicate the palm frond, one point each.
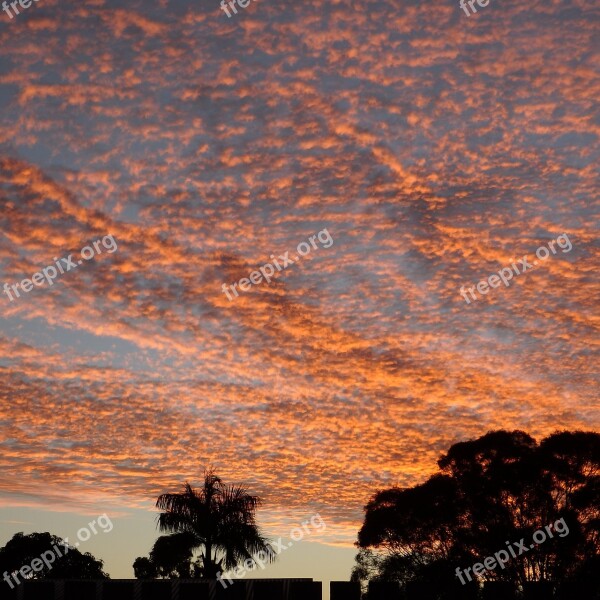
{"type": "Point", "coordinates": [221, 518]}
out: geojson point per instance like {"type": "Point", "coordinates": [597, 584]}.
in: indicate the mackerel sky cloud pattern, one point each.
{"type": "Point", "coordinates": [434, 148]}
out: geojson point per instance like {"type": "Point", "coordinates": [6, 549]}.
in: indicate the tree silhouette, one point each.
{"type": "Point", "coordinates": [22, 549]}
{"type": "Point", "coordinates": [217, 519]}
{"type": "Point", "coordinates": [499, 488]}
{"type": "Point", "coordinates": [143, 568]}
{"type": "Point", "coordinates": [170, 558]}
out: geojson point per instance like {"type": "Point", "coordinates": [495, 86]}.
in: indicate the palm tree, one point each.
{"type": "Point", "coordinates": [222, 520]}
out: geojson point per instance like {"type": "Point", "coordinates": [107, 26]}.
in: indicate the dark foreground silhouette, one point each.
{"type": "Point", "coordinates": [505, 518]}
{"type": "Point", "coordinates": [278, 589]}
{"type": "Point", "coordinates": [218, 521]}
{"type": "Point", "coordinates": [503, 509]}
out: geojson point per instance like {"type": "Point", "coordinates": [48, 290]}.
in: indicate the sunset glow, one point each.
{"type": "Point", "coordinates": [435, 149]}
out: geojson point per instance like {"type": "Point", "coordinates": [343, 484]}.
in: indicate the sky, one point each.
{"type": "Point", "coordinates": [422, 149]}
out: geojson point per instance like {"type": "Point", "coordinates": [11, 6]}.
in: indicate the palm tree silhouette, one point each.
{"type": "Point", "coordinates": [222, 520]}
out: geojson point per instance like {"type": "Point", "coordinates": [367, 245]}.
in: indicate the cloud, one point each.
{"type": "Point", "coordinates": [436, 149]}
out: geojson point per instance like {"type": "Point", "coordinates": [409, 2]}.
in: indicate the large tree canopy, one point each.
{"type": "Point", "coordinates": [499, 488]}
{"type": "Point", "coordinates": [22, 549]}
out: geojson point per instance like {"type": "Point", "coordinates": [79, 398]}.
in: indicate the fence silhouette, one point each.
{"type": "Point", "coordinates": [279, 589]}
